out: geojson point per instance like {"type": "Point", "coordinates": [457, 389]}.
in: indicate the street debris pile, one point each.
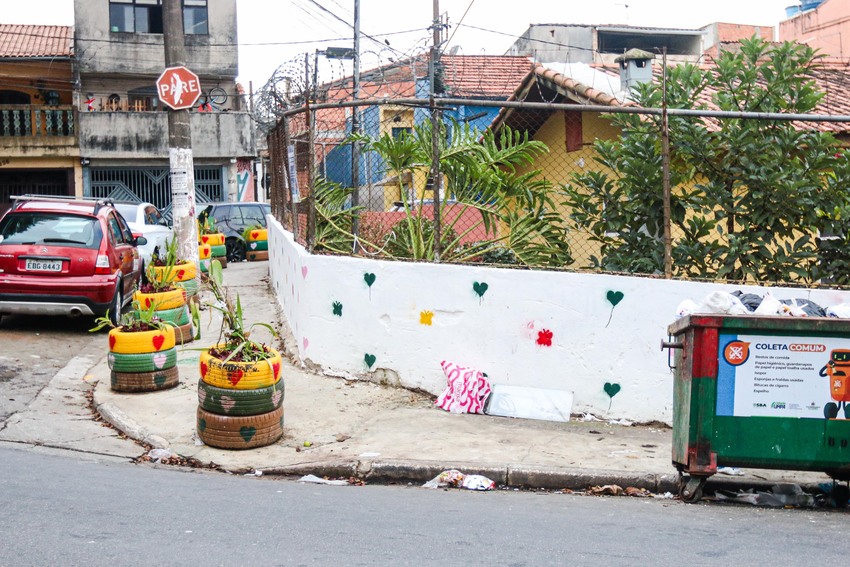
{"type": "Point", "coordinates": [787, 495]}
{"type": "Point", "coordinates": [167, 457]}
{"type": "Point", "coordinates": [468, 390]}
{"type": "Point", "coordinates": [350, 481]}
{"type": "Point", "coordinates": [740, 303]}
{"type": "Point", "coordinates": [455, 479]}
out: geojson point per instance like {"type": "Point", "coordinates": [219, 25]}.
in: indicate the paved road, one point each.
{"type": "Point", "coordinates": [61, 510]}
{"type": "Point", "coordinates": [33, 350]}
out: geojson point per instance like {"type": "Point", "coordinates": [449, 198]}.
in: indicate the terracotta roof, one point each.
{"type": "Point", "coordinates": [483, 76]}
{"type": "Point", "coordinates": [30, 41]}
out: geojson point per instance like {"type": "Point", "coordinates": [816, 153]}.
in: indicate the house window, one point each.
{"type": "Point", "coordinates": [399, 132]}
{"type": "Point", "coordinates": [145, 16]}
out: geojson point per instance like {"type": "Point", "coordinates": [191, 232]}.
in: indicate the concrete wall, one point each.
{"type": "Point", "coordinates": [214, 135]}
{"type": "Point", "coordinates": [564, 331]}
{"type": "Point", "coordinates": [822, 29]}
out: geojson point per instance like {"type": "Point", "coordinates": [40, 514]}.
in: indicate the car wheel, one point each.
{"type": "Point", "coordinates": [235, 250]}
{"type": "Point", "coordinates": [117, 305]}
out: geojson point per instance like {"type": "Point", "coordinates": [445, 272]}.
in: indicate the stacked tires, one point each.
{"type": "Point", "coordinates": [142, 361]}
{"type": "Point", "coordinates": [172, 307]}
{"type": "Point", "coordinates": [218, 250]}
{"type": "Point", "coordinates": [240, 404]}
{"type": "Point", "coordinates": [185, 277]}
{"type": "Point", "coordinates": [204, 257]}
{"type": "Point", "coordinates": [257, 244]}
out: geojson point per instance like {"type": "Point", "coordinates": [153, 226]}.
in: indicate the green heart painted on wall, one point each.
{"type": "Point", "coordinates": [614, 298]}
{"type": "Point", "coordinates": [337, 308]}
{"type": "Point", "coordinates": [612, 390]}
{"type": "Point", "coordinates": [369, 278]}
{"type": "Point", "coordinates": [369, 359]}
{"type": "Point", "coordinates": [480, 288]}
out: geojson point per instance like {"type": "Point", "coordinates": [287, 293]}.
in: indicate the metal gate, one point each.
{"type": "Point", "coordinates": [153, 185]}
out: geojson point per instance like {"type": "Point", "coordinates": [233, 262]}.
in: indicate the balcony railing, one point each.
{"type": "Point", "coordinates": [24, 120]}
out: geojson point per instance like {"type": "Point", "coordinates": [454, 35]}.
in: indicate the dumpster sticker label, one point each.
{"type": "Point", "coordinates": [777, 376]}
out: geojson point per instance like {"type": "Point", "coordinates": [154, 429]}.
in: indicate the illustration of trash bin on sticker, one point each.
{"type": "Point", "coordinates": [838, 371]}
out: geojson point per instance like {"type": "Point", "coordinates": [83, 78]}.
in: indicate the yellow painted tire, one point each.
{"type": "Point", "coordinates": [253, 256]}
{"type": "Point", "coordinates": [257, 234]}
{"type": "Point", "coordinates": [157, 340]}
{"type": "Point", "coordinates": [204, 251]}
{"type": "Point", "coordinates": [163, 299]}
{"type": "Point", "coordinates": [240, 375]}
{"type": "Point", "coordinates": [239, 432]}
{"type": "Point", "coordinates": [212, 239]}
{"type": "Point", "coordinates": [178, 273]}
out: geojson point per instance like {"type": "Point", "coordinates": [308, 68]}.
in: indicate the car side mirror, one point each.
{"type": "Point", "coordinates": [140, 241]}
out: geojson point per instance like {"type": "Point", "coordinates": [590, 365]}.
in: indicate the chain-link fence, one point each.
{"type": "Point", "coordinates": [696, 194]}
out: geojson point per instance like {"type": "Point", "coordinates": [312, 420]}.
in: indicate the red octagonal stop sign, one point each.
{"type": "Point", "coordinates": [178, 88]}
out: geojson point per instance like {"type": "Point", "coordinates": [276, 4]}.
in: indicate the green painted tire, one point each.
{"type": "Point", "coordinates": [239, 432]}
{"type": "Point", "coordinates": [219, 250]}
{"type": "Point", "coordinates": [258, 246]}
{"type": "Point", "coordinates": [191, 286]}
{"type": "Point", "coordinates": [226, 401]}
{"type": "Point", "coordinates": [144, 381]}
{"type": "Point", "coordinates": [143, 362]}
{"type": "Point", "coordinates": [178, 315]}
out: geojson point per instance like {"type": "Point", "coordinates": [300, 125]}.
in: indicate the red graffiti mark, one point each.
{"type": "Point", "coordinates": [544, 337]}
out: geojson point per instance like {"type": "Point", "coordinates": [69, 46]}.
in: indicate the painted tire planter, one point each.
{"type": "Point", "coordinates": [142, 362]}
{"type": "Point", "coordinates": [183, 334]}
{"type": "Point", "coordinates": [258, 246]}
{"type": "Point", "coordinates": [158, 340]}
{"type": "Point", "coordinates": [162, 300]}
{"type": "Point", "coordinates": [144, 381]}
{"type": "Point", "coordinates": [257, 235]}
{"type": "Point", "coordinates": [226, 401]}
{"type": "Point", "coordinates": [178, 315]}
{"type": "Point", "coordinates": [191, 287]}
{"type": "Point", "coordinates": [240, 375]}
{"type": "Point", "coordinates": [239, 432]}
{"type": "Point", "coordinates": [218, 250]}
{"type": "Point", "coordinates": [178, 273]}
{"type": "Point", "coordinates": [204, 251]}
{"type": "Point", "coordinates": [215, 239]}
{"type": "Point", "coordinates": [253, 256]}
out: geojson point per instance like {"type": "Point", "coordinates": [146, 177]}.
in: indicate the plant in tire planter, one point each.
{"type": "Point", "coordinates": [256, 243]}
{"type": "Point", "coordinates": [142, 351]}
{"type": "Point", "coordinates": [167, 296]}
{"type": "Point", "coordinates": [240, 391]}
{"type": "Point", "coordinates": [209, 234]}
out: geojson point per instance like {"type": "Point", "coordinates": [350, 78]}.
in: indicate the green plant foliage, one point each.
{"type": "Point", "coordinates": [746, 193]}
{"type": "Point", "coordinates": [234, 335]}
{"type": "Point", "coordinates": [135, 320]}
{"type": "Point", "coordinates": [485, 174]}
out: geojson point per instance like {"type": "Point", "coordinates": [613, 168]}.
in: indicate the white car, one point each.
{"type": "Point", "coordinates": [145, 220]}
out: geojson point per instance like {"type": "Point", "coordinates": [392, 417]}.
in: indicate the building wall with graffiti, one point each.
{"type": "Point", "coordinates": [245, 180]}
{"type": "Point", "coordinates": [597, 336]}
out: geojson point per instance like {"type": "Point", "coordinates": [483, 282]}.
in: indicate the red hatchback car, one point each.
{"type": "Point", "coordinates": [66, 257]}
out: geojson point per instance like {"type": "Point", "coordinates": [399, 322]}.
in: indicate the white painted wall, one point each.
{"type": "Point", "coordinates": [497, 332]}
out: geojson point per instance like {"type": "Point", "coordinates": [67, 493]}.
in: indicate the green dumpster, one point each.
{"type": "Point", "coordinates": [759, 392]}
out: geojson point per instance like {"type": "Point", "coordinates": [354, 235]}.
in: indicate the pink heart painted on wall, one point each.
{"type": "Point", "coordinates": [304, 271]}
{"type": "Point", "coordinates": [305, 342]}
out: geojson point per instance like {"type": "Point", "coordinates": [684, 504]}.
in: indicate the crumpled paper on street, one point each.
{"type": "Point", "coordinates": [455, 479]}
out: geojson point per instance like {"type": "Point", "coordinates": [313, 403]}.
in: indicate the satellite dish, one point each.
{"type": "Point", "coordinates": [454, 50]}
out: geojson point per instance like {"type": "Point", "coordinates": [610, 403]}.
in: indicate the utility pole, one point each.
{"type": "Point", "coordinates": [436, 123]}
{"type": "Point", "coordinates": [665, 170]}
{"type": "Point", "coordinates": [355, 128]}
{"type": "Point", "coordinates": [181, 163]}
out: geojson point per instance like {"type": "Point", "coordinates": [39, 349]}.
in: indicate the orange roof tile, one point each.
{"type": "Point", "coordinates": [31, 41]}
{"type": "Point", "coordinates": [483, 76]}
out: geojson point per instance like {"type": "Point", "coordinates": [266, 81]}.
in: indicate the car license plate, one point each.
{"type": "Point", "coordinates": [44, 265]}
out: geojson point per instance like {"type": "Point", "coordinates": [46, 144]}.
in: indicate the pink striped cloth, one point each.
{"type": "Point", "coordinates": [467, 389]}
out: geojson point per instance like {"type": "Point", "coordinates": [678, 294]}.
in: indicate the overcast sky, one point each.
{"type": "Point", "coordinates": [272, 32]}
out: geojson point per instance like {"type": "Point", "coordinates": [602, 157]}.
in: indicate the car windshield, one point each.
{"type": "Point", "coordinates": [50, 228]}
{"type": "Point", "coordinates": [127, 211]}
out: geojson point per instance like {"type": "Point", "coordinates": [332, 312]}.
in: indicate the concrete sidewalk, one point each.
{"type": "Point", "coordinates": [386, 434]}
